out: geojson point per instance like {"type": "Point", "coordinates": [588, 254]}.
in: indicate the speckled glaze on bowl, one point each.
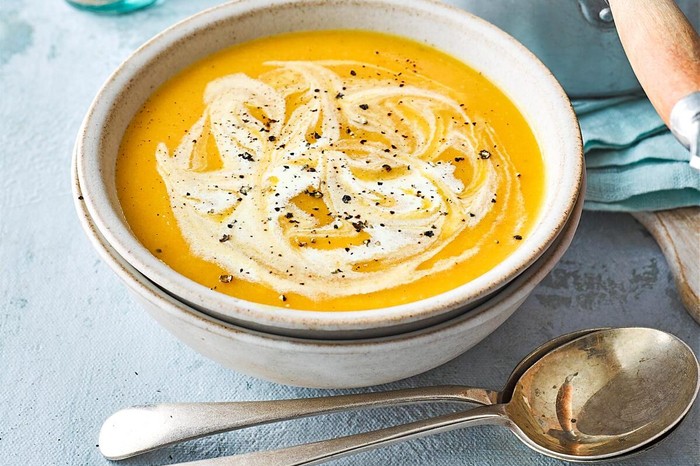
{"type": "Point", "coordinates": [326, 363]}
{"type": "Point", "coordinates": [498, 56]}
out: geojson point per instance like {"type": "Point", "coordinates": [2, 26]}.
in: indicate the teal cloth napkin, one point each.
{"type": "Point", "coordinates": [633, 162]}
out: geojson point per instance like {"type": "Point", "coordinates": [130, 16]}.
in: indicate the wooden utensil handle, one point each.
{"type": "Point", "coordinates": [678, 233]}
{"type": "Point", "coordinates": [663, 48]}
{"type": "Point", "coordinates": [664, 51]}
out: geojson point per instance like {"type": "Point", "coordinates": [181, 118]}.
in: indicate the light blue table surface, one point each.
{"type": "Point", "coordinates": [74, 347]}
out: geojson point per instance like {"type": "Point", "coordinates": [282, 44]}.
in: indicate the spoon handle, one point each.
{"type": "Point", "coordinates": [139, 429]}
{"type": "Point", "coordinates": [326, 450]}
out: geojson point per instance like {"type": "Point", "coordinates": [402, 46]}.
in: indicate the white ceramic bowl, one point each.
{"type": "Point", "coordinates": [499, 57]}
{"type": "Point", "coordinates": [326, 363]}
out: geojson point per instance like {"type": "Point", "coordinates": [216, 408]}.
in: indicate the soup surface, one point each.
{"type": "Point", "coordinates": [334, 170]}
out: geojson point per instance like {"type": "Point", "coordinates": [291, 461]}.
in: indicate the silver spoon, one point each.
{"type": "Point", "coordinates": [604, 395]}
{"type": "Point", "coordinates": [139, 429]}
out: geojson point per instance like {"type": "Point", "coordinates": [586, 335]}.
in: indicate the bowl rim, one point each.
{"type": "Point", "coordinates": [111, 225]}
{"type": "Point", "coordinates": [518, 289]}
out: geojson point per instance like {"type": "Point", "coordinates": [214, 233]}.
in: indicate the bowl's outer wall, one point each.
{"type": "Point", "coordinates": [512, 68]}
{"type": "Point", "coordinates": [307, 365]}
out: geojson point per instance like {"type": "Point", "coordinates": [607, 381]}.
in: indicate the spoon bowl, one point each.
{"type": "Point", "coordinates": [605, 394]}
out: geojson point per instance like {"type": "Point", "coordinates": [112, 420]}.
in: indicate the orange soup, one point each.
{"type": "Point", "coordinates": [333, 170]}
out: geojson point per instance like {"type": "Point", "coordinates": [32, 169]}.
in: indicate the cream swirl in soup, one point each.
{"type": "Point", "coordinates": [336, 178]}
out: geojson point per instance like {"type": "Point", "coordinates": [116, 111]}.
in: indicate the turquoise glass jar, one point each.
{"type": "Point", "coordinates": [111, 6]}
